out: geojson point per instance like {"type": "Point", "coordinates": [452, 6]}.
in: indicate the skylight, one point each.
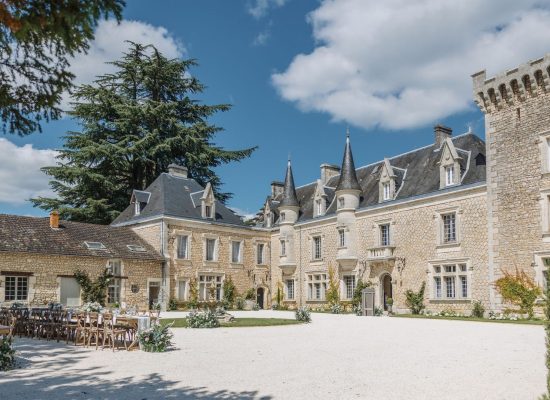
{"type": "Point", "coordinates": [136, 248]}
{"type": "Point", "coordinates": [95, 246]}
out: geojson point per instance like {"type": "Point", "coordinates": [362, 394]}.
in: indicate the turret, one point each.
{"type": "Point", "coordinates": [288, 215]}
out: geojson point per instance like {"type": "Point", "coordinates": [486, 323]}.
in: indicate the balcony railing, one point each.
{"type": "Point", "coordinates": [381, 253]}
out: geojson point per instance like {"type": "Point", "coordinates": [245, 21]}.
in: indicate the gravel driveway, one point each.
{"type": "Point", "coordinates": [334, 357]}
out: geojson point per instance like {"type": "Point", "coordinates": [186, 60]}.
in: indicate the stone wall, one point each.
{"type": "Point", "coordinates": [517, 121]}
{"type": "Point", "coordinates": [414, 230]}
{"type": "Point", "coordinates": [45, 271]}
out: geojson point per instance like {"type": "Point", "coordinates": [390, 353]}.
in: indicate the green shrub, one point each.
{"type": "Point", "coordinates": [336, 309]}
{"type": "Point", "coordinates": [519, 289]}
{"type": "Point", "coordinates": [173, 304]}
{"type": "Point", "coordinates": [546, 396]}
{"type": "Point", "coordinates": [303, 314]}
{"type": "Point", "coordinates": [193, 294]}
{"type": "Point", "coordinates": [229, 292]}
{"type": "Point", "coordinates": [7, 354]}
{"type": "Point", "coordinates": [256, 307]}
{"type": "Point", "coordinates": [478, 311]}
{"type": "Point", "coordinates": [93, 291]}
{"type": "Point", "coordinates": [378, 311]}
{"type": "Point", "coordinates": [332, 294]}
{"type": "Point", "coordinates": [204, 319]}
{"type": "Point", "coordinates": [250, 294]}
{"type": "Point", "coordinates": [156, 339]}
{"type": "Point", "coordinates": [239, 303]}
{"type": "Point", "coordinates": [415, 301]}
{"type": "Point", "coordinates": [389, 301]}
{"type": "Point", "coordinates": [357, 295]}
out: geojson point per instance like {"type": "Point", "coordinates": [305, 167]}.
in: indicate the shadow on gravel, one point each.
{"type": "Point", "coordinates": [40, 376]}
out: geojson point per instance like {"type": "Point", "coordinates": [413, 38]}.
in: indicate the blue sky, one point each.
{"type": "Point", "coordinates": [299, 72]}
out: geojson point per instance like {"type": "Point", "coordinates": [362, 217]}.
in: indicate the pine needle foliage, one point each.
{"type": "Point", "coordinates": [135, 122]}
{"type": "Point", "coordinates": [37, 40]}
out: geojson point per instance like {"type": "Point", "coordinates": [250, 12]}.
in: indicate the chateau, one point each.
{"type": "Point", "coordinates": [453, 214]}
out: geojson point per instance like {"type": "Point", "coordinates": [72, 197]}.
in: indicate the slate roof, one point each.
{"type": "Point", "coordinates": [348, 177]}
{"type": "Point", "coordinates": [289, 198]}
{"type": "Point", "coordinates": [417, 173]}
{"type": "Point", "coordinates": [34, 235]}
{"type": "Point", "coordinates": [178, 197]}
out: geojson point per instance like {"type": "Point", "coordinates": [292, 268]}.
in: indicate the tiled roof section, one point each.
{"type": "Point", "coordinates": [289, 198]}
{"type": "Point", "coordinates": [348, 178]}
{"type": "Point", "coordinates": [417, 173]}
{"type": "Point", "coordinates": [176, 197]}
{"type": "Point", "coordinates": [34, 235]}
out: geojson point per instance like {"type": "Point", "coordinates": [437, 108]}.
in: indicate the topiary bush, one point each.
{"type": "Point", "coordinates": [415, 300]}
{"type": "Point", "coordinates": [204, 319]}
{"type": "Point", "coordinates": [378, 311]}
{"type": "Point", "coordinates": [229, 292]}
{"type": "Point", "coordinates": [336, 308]}
{"type": "Point", "coordinates": [478, 311]}
{"type": "Point", "coordinates": [156, 339]}
{"type": "Point", "coordinates": [303, 314]}
{"type": "Point", "coordinates": [519, 289]}
{"type": "Point", "coordinates": [173, 304]}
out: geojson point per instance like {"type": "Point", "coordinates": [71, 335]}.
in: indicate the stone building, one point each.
{"type": "Point", "coordinates": [452, 214]}
{"type": "Point", "coordinates": [39, 256]}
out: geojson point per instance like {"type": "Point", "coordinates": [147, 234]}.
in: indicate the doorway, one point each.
{"type": "Point", "coordinates": [260, 297]}
{"type": "Point", "coordinates": [154, 291]}
{"type": "Point", "coordinates": [387, 291]}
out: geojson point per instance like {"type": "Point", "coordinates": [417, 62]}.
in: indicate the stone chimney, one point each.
{"type": "Point", "coordinates": [54, 220]}
{"type": "Point", "coordinates": [328, 171]}
{"type": "Point", "coordinates": [441, 134]}
{"type": "Point", "coordinates": [276, 188]}
{"type": "Point", "coordinates": [177, 170]}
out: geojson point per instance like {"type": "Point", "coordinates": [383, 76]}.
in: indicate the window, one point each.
{"type": "Point", "coordinates": [341, 202]}
{"type": "Point", "coordinates": [260, 253]}
{"type": "Point", "coordinates": [548, 154]}
{"type": "Point", "coordinates": [449, 175]}
{"type": "Point", "coordinates": [182, 290]}
{"type": "Point", "coordinates": [289, 289]}
{"type": "Point", "coordinates": [450, 281]}
{"type": "Point", "coordinates": [69, 292]}
{"type": "Point", "coordinates": [210, 287]}
{"type": "Point", "coordinates": [449, 227]}
{"type": "Point", "coordinates": [341, 238]}
{"type": "Point", "coordinates": [210, 249]}
{"type": "Point", "coordinates": [386, 190]}
{"type": "Point", "coordinates": [283, 217]}
{"type": "Point", "coordinates": [283, 247]}
{"type": "Point", "coordinates": [95, 246]}
{"type": "Point", "coordinates": [318, 207]}
{"type": "Point", "coordinates": [137, 209]}
{"type": "Point", "coordinates": [136, 248]}
{"type": "Point", "coordinates": [16, 288]}
{"type": "Point", "coordinates": [349, 285]}
{"type": "Point", "coordinates": [183, 246]}
{"type": "Point", "coordinates": [113, 290]}
{"type": "Point", "coordinates": [385, 235]}
{"type": "Point", "coordinates": [317, 248]}
{"type": "Point", "coordinates": [235, 251]}
{"type": "Point", "coordinates": [208, 211]}
{"type": "Point", "coordinates": [317, 286]}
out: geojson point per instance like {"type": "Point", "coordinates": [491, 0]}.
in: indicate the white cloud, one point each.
{"type": "Point", "coordinates": [245, 214]}
{"type": "Point", "coordinates": [20, 175]}
{"type": "Point", "coordinates": [262, 38]}
{"type": "Point", "coordinates": [260, 8]}
{"type": "Point", "coordinates": [110, 43]}
{"type": "Point", "coordinates": [401, 64]}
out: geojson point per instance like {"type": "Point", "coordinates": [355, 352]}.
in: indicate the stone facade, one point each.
{"type": "Point", "coordinates": [44, 274]}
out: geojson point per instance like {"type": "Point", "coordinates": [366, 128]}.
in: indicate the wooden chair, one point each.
{"type": "Point", "coordinates": [95, 329]}
{"type": "Point", "coordinates": [81, 330]}
{"type": "Point", "coordinates": [113, 332]}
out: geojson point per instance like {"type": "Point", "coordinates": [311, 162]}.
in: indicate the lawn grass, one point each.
{"type": "Point", "coordinates": [237, 322]}
{"type": "Point", "coordinates": [502, 321]}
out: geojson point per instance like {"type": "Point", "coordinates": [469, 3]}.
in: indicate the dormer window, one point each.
{"type": "Point", "coordinates": [208, 203]}
{"type": "Point", "coordinates": [318, 207]}
{"type": "Point", "coordinates": [140, 200]}
{"type": "Point", "coordinates": [386, 191]}
{"type": "Point", "coordinates": [283, 217]}
{"type": "Point", "coordinates": [208, 211]}
{"type": "Point", "coordinates": [449, 175]}
{"type": "Point", "coordinates": [449, 165]}
{"type": "Point", "coordinates": [137, 210]}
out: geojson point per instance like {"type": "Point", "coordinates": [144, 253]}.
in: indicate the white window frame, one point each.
{"type": "Point", "coordinates": [447, 280]}
{"type": "Point", "coordinates": [215, 250]}
{"type": "Point", "coordinates": [317, 248]}
{"type": "Point", "coordinates": [449, 175]}
{"type": "Point", "coordinates": [342, 237]}
{"type": "Point", "coordinates": [260, 254]}
{"type": "Point", "coordinates": [205, 281]}
{"type": "Point", "coordinates": [114, 289]}
{"type": "Point", "coordinates": [20, 290]}
{"type": "Point", "coordinates": [185, 283]}
{"type": "Point", "coordinates": [384, 239]}
{"type": "Point", "coordinates": [318, 207]}
{"type": "Point", "coordinates": [341, 202]}
{"type": "Point", "coordinates": [347, 295]}
{"type": "Point", "coordinates": [290, 291]}
{"type": "Point", "coordinates": [178, 243]}
{"type": "Point", "coordinates": [386, 191]}
{"type": "Point", "coordinates": [450, 237]}
{"type": "Point", "coordinates": [239, 259]}
{"type": "Point", "coordinates": [317, 286]}
{"type": "Point", "coordinates": [283, 247]}
{"type": "Point", "coordinates": [545, 151]}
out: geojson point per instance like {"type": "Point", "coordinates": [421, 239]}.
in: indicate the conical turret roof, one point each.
{"type": "Point", "coordinates": [348, 177]}
{"type": "Point", "coordinates": [289, 194]}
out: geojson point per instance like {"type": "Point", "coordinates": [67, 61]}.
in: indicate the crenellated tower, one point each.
{"type": "Point", "coordinates": [516, 105]}
{"type": "Point", "coordinates": [348, 195]}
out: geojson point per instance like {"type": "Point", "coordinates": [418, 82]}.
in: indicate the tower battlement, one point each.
{"type": "Point", "coordinates": [513, 86]}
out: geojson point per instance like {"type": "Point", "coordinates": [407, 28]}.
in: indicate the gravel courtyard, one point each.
{"type": "Point", "coordinates": [334, 357]}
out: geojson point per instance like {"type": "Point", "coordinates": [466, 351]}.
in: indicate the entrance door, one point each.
{"type": "Point", "coordinates": [260, 297]}
{"type": "Point", "coordinates": [154, 290]}
{"type": "Point", "coordinates": [386, 290]}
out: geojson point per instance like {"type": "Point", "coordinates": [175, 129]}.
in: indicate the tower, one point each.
{"type": "Point", "coordinates": [288, 215]}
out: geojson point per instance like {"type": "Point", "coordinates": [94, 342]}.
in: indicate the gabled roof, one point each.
{"type": "Point", "coordinates": [177, 197]}
{"type": "Point", "coordinates": [417, 173]}
{"type": "Point", "coordinates": [34, 235]}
